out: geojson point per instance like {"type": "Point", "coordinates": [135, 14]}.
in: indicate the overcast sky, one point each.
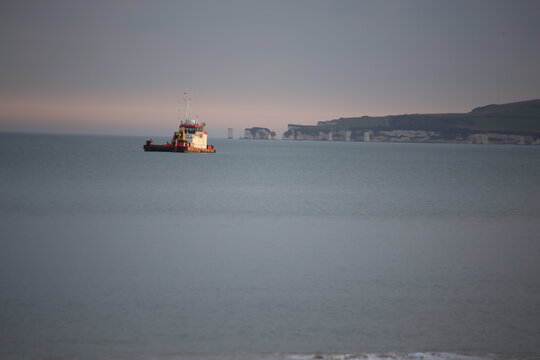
{"type": "Point", "coordinates": [121, 66]}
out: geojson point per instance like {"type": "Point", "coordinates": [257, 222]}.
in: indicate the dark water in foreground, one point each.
{"type": "Point", "coordinates": [268, 250]}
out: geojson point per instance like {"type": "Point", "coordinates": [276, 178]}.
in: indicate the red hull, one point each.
{"type": "Point", "coordinates": [182, 147]}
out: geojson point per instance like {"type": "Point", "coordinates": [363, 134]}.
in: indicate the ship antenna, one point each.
{"type": "Point", "coordinates": [178, 116]}
{"type": "Point", "coordinates": [186, 102]}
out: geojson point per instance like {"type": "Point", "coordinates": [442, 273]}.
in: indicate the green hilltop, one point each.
{"type": "Point", "coordinates": [517, 117]}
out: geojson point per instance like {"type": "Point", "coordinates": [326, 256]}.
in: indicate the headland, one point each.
{"type": "Point", "coordinates": [512, 123]}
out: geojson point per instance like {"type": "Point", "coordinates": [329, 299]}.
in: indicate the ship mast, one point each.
{"type": "Point", "coordinates": [187, 99]}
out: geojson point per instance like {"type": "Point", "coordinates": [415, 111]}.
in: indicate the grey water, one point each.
{"type": "Point", "coordinates": [268, 250]}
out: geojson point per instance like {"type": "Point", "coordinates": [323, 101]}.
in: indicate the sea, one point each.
{"type": "Point", "coordinates": [268, 250]}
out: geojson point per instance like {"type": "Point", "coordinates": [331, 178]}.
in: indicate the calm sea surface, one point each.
{"type": "Point", "coordinates": [268, 250]}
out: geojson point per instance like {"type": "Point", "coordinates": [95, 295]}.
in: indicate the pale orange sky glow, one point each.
{"type": "Point", "coordinates": [157, 114]}
{"type": "Point", "coordinates": [140, 115]}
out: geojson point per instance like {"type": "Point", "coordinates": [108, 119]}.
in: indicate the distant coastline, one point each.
{"type": "Point", "coordinates": [513, 123]}
{"type": "Point", "coordinates": [259, 133]}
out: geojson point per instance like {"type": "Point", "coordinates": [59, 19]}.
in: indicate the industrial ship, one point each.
{"type": "Point", "coordinates": [191, 136]}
